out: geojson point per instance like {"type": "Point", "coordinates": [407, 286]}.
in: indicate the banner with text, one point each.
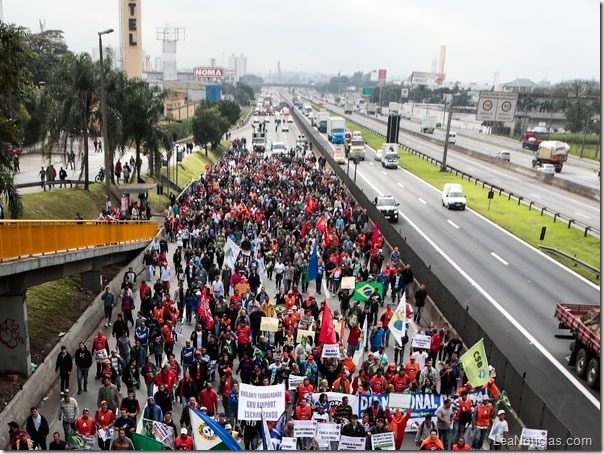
{"type": "Point", "coordinates": [351, 443]}
{"type": "Point", "coordinates": [254, 398]}
{"type": "Point", "coordinates": [305, 429]}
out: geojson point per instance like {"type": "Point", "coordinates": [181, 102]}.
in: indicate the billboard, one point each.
{"type": "Point", "coordinates": [213, 93]}
{"type": "Point", "coordinates": [496, 106]}
{"type": "Point", "coordinates": [422, 78]}
{"type": "Point", "coordinates": [382, 77]}
{"type": "Point", "coordinates": [203, 71]}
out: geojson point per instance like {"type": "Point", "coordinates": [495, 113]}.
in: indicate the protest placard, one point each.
{"type": "Point", "coordinates": [399, 400]}
{"type": "Point", "coordinates": [351, 443]}
{"type": "Point", "coordinates": [328, 431]}
{"type": "Point", "coordinates": [269, 324]}
{"type": "Point", "coordinates": [383, 441]}
{"type": "Point", "coordinates": [294, 381]}
{"type": "Point", "coordinates": [331, 351]}
{"type": "Point", "coordinates": [304, 333]}
{"type": "Point", "coordinates": [534, 438]}
{"type": "Point", "coordinates": [255, 399]}
{"type": "Point", "coordinates": [289, 443]}
{"type": "Point", "coordinates": [305, 428]}
{"type": "Point", "coordinates": [105, 434]}
{"type": "Point", "coordinates": [307, 319]}
{"type": "Point", "coordinates": [421, 341]}
{"type": "Point", "coordinates": [100, 355]}
{"type": "Point", "coordinates": [348, 283]}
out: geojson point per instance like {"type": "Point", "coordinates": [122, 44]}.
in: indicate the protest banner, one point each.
{"type": "Point", "coordinates": [335, 399]}
{"type": "Point", "coordinates": [534, 438]}
{"type": "Point", "coordinates": [337, 324]}
{"type": "Point", "coordinates": [289, 443]}
{"type": "Point", "coordinates": [100, 355]}
{"type": "Point", "coordinates": [331, 351]}
{"type": "Point", "coordinates": [305, 428]}
{"type": "Point", "coordinates": [294, 381]}
{"type": "Point", "coordinates": [304, 333]}
{"type": "Point", "coordinates": [399, 400]}
{"type": "Point", "coordinates": [351, 443]}
{"type": "Point", "coordinates": [383, 441]}
{"type": "Point", "coordinates": [105, 434]}
{"type": "Point", "coordinates": [307, 319]}
{"type": "Point", "coordinates": [328, 431]}
{"type": "Point", "coordinates": [253, 399]}
{"type": "Point", "coordinates": [269, 324]}
{"type": "Point", "coordinates": [421, 341]}
{"type": "Point", "coordinates": [365, 401]}
{"type": "Point", "coordinates": [348, 283]}
{"type": "Point", "coordinates": [164, 433]}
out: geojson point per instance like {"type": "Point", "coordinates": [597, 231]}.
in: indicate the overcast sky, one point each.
{"type": "Point", "coordinates": [537, 39]}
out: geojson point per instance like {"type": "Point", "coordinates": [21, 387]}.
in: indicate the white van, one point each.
{"type": "Point", "coordinates": [452, 137]}
{"type": "Point", "coordinates": [503, 155]}
{"type": "Point", "coordinates": [453, 196]}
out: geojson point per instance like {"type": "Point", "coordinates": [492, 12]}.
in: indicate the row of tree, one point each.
{"type": "Point", "coordinates": [50, 98]}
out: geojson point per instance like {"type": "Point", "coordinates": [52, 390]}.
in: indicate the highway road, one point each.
{"type": "Point", "coordinates": [509, 284]}
{"type": "Point", "coordinates": [572, 205]}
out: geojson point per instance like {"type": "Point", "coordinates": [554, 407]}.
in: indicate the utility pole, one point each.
{"type": "Point", "coordinates": [443, 167]}
{"type": "Point", "coordinates": [108, 164]}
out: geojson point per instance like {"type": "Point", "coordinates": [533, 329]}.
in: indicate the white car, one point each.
{"type": "Point", "coordinates": [547, 169]}
{"type": "Point", "coordinates": [285, 128]}
{"type": "Point", "coordinates": [290, 120]}
{"type": "Point", "coordinates": [378, 154]}
{"type": "Point", "coordinates": [279, 148]}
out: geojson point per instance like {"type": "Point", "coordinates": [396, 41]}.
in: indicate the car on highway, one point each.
{"type": "Point", "coordinates": [390, 160]}
{"type": "Point", "coordinates": [290, 120]}
{"type": "Point", "coordinates": [339, 155]}
{"type": "Point", "coordinates": [256, 120]}
{"type": "Point", "coordinates": [278, 148]}
{"type": "Point", "coordinates": [388, 206]}
{"type": "Point", "coordinates": [503, 155]}
{"type": "Point", "coordinates": [548, 169]}
{"type": "Point", "coordinates": [453, 196]}
{"type": "Point", "coordinates": [285, 127]}
{"type": "Point", "coordinates": [378, 154]}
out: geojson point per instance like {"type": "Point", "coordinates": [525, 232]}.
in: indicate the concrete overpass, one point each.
{"type": "Point", "coordinates": [34, 252]}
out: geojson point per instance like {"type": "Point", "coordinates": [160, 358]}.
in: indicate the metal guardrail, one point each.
{"type": "Point", "coordinates": [575, 260]}
{"type": "Point", "coordinates": [20, 239]}
{"type": "Point", "coordinates": [531, 204]}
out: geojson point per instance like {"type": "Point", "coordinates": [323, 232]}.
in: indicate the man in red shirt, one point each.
{"type": "Point", "coordinates": [167, 378]}
{"type": "Point", "coordinates": [379, 384]}
{"type": "Point", "coordinates": [169, 340]}
{"type": "Point", "coordinates": [353, 340]}
{"type": "Point", "coordinates": [400, 382]}
{"type": "Point", "coordinates": [243, 336]}
{"type": "Point", "coordinates": [209, 398]}
{"type": "Point", "coordinates": [100, 344]}
{"type": "Point", "coordinates": [305, 389]}
{"type": "Point", "coordinates": [145, 294]}
{"type": "Point", "coordinates": [184, 442]}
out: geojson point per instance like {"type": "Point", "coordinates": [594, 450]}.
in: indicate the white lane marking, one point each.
{"type": "Point", "coordinates": [532, 194]}
{"type": "Point", "coordinates": [452, 223]}
{"type": "Point", "coordinates": [400, 184]}
{"type": "Point", "coordinates": [583, 215]}
{"type": "Point", "coordinates": [324, 285]}
{"type": "Point", "coordinates": [422, 201]}
{"type": "Point", "coordinates": [499, 258]}
{"type": "Point", "coordinates": [384, 172]}
{"type": "Point", "coordinates": [528, 336]}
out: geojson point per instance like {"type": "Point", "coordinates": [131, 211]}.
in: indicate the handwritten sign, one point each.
{"type": "Point", "coordinates": [399, 400]}
{"type": "Point", "coordinates": [253, 400]}
{"type": "Point", "coordinates": [383, 441]}
{"type": "Point", "coordinates": [305, 428]}
{"type": "Point", "coordinates": [289, 443]}
{"type": "Point", "coordinates": [328, 431]}
{"type": "Point", "coordinates": [348, 283]}
{"type": "Point", "coordinates": [331, 351]}
{"type": "Point", "coordinates": [304, 333]}
{"type": "Point", "coordinates": [269, 324]}
{"type": "Point", "coordinates": [351, 443]}
{"type": "Point", "coordinates": [421, 341]}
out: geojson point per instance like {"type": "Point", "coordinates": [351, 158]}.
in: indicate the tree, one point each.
{"type": "Point", "coordinates": [580, 100]}
{"type": "Point", "coordinates": [49, 49]}
{"type": "Point", "coordinates": [208, 126]}
{"type": "Point", "coordinates": [229, 110]}
{"type": "Point", "coordinates": [15, 83]}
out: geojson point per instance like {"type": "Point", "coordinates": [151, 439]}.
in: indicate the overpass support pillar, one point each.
{"type": "Point", "coordinates": [14, 334]}
{"type": "Point", "coordinates": [92, 279]}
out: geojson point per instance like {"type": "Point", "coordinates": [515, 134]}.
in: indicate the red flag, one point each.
{"type": "Point", "coordinates": [376, 234]}
{"type": "Point", "coordinates": [328, 331]}
{"type": "Point", "coordinates": [322, 225]}
{"type": "Point", "coordinates": [303, 231]}
{"type": "Point", "coordinates": [204, 309]}
{"type": "Point", "coordinates": [309, 205]}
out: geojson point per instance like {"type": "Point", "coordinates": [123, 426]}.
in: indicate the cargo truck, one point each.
{"type": "Point", "coordinates": [322, 117]}
{"type": "Point", "coordinates": [357, 149]}
{"type": "Point", "coordinates": [335, 129]}
{"type": "Point", "coordinates": [583, 321]}
{"type": "Point", "coordinates": [428, 125]}
{"type": "Point", "coordinates": [348, 108]}
{"type": "Point", "coordinates": [530, 141]}
{"type": "Point", "coordinates": [551, 152]}
{"type": "Point", "coordinates": [371, 108]}
{"type": "Point", "coordinates": [259, 141]}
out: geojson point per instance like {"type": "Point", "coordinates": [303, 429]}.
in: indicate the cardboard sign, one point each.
{"type": "Point", "coordinates": [253, 400]}
{"type": "Point", "coordinates": [328, 431]}
{"type": "Point", "coordinates": [100, 355]}
{"type": "Point", "coordinates": [294, 381]}
{"type": "Point", "coordinates": [304, 333]}
{"type": "Point", "coordinates": [331, 351]}
{"type": "Point", "coordinates": [421, 341]}
{"type": "Point", "coordinates": [305, 428]}
{"type": "Point", "coordinates": [269, 324]}
{"type": "Point", "coordinates": [289, 443]}
{"type": "Point", "coordinates": [348, 283]}
{"type": "Point", "coordinates": [534, 438]}
{"type": "Point", "coordinates": [399, 400]}
{"type": "Point", "coordinates": [351, 443]}
{"type": "Point", "coordinates": [383, 441]}
{"type": "Point", "coordinates": [307, 319]}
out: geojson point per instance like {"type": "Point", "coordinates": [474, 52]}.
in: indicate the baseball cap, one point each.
{"type": "Point", "coordinates": [104, 402]}
{"type": "Point", "coordinates": [501, 412]}
{"type": "Point", "coordinates": [412, 356]}
{"type": "Point", "coordinates": [228, 426]}
{"type": "Point", "coordinates": [381, 420]}
{"type": "Point", "coordinates": [311, 357]}
{"type": "Point", "coordinates": [204, 408]}
{"type": "Point", "coordinates": [184, 431]}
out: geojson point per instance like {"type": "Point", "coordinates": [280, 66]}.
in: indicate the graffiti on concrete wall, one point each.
{"type": "Point", "coordinates": [9, 333]}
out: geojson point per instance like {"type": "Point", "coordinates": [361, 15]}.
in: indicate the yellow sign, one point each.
{"type": "Point", "coordinates": [269, 324]}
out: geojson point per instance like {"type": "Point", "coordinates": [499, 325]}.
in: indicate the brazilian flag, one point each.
{"type": "Point", "coordinates": [280, 309]}
{"type": "Point", "coordinates": [505, 400]}
{"type": "Point", "coordinates": [363, 290]}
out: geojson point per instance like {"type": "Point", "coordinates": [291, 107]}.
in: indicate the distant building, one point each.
{"type": "Point", "coordinates": [237, 64]}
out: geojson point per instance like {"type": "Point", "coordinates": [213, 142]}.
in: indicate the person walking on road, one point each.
{"type": "Point", "coordinates": [83, 360]}
{"type": "Point", "coordinates": [108, 300]}
{"type": "Point", "coordinates": [68, 413]}
{"type": "Point", "coordinates": [37, 428]}
{"type": "Point", "coordinates": [420, 301]}
{"type": "Point", "coordinates": [64, 367]}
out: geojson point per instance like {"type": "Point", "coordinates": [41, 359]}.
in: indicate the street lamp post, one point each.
{"type": "Point", "coordinates": [443, 167]}
{"type": "Point", "coordinates": [108, 164]}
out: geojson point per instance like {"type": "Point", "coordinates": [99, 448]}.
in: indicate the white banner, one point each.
{"type": "Point", "coordinates": [399, 400]}
{"type": "Point", "coordinates": [305, 429]}
{"type": "Point", "coordinates": [289, 443]}
{"type": "Point", "coordinates": [328, 431]}
{"type": "Point", "coordinates": [421, 341]}
{"type": "Point", "coordinates": [164, 433]}
{"type": "Point", "coordinates": [294, 381]}
{"type": "Point", "coordinates": [351, 443]}
{"type": "Point", "coordinates": [231, 252]}
{"type": "Point", "coordinates": [534, 438]}
{"type": "Point", "coordinates": [254, 398]}
{"type": "Point", "coordinates": [348, 283]}
{"type": "Point", "coordinates": [383, 441]}
{"type": "Point", "coordinates": [331, 351]}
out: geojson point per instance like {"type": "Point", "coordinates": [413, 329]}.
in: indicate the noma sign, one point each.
{"type": "Point", "coordinates": [208, 72]}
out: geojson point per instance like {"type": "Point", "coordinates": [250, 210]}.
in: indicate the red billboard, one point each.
{"type": "Point", "coordinates": [202, 71]}
{"type": "Point", "coordinates": [382, 77]}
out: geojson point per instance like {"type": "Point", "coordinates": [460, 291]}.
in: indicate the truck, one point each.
{"type": "Point", "coordinates": [322, 117]}
{"type": "Point", "coordinates": [348, 108]}
{"type": "Point", "coordinates": [371, 108]}
{"type": "Point", "coordinates": [259, 141]}
{"type": "Point", "coordinates": [335, 129]}
{"type": "Point", "coordinates": [428, 124]}
{"type": "Point", "coordinates": [551, 152]}
{"type": "Point", "coordinates": [307, 110]}
{"type": "Point", "coordinates": [395, 108]}
{"type": "Point", "coordinates": [583, 321]}
{"type": "Point", "coordinates": [357, 149]}
{"type": "Point", "coordinates": [531, 141]}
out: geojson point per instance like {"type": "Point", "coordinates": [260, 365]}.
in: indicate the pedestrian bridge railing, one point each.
{"type": "Point", "coordinates": [20, 239]}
